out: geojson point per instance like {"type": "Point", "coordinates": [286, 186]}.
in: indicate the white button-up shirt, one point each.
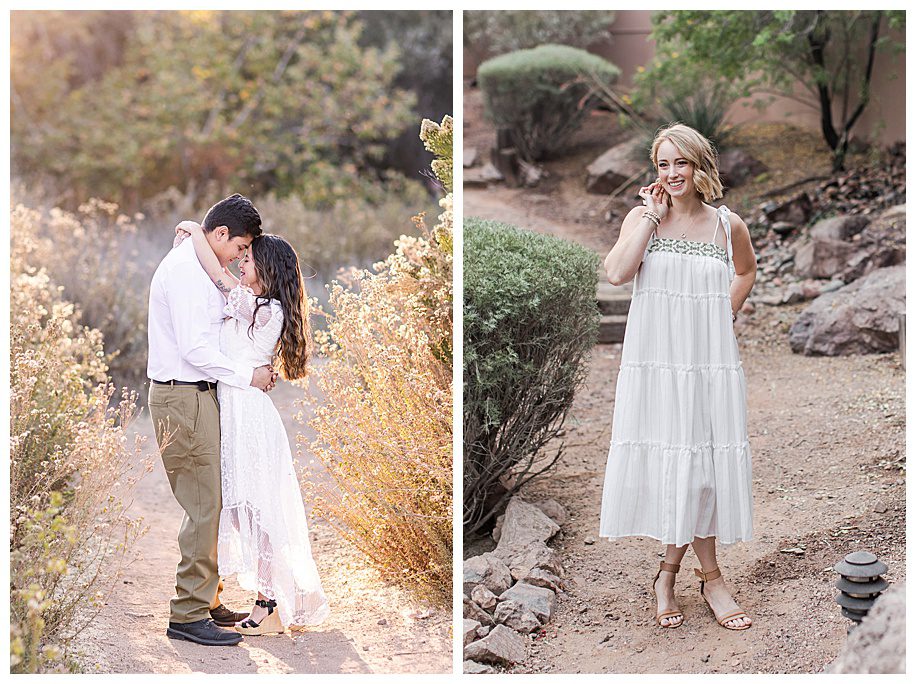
{"type": "Point", "coordinates": [185, 315]}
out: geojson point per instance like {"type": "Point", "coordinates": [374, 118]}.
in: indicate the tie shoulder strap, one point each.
{"type": "Point", "coordinates": [723, 214]}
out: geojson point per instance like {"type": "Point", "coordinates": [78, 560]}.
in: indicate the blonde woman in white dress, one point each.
{"type": "Point", "coordinates": [679, 466]}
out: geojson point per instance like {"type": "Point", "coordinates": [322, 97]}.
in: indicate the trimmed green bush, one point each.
{"type": "Point", "coordinates": [540, 95]}
{"type": "Point", "coordinates": [530, 318]}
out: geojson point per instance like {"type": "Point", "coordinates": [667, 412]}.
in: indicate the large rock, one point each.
{"type": "Point", "coordinates": [470, 667]}
{"type": "Point", "coordinates": [541, 578]}
{"type": "Point", "coordinates": [482, 177]}
{"type": "Point", "coordinates": [881, 244]}
{"type": "Point", "coordinates": [502, 646]}
{"type": "Point", "coordinates": [553, 510]}
{"type": "Point", "coordinates": [736, 167]}
{"type": "Point", "coordinates": [538, 600]}
{"type": "Point", "coordinates": [489, 570]}
{"type": "Point", "coordinates": [615, 167]}
{"type": "Point", "coordinates": [878, 644]}
{"type": "Point", "coordinates": [795, 210]}
{"type": "Point", "coordinates": [860, 318]}
{"type": "Point", "coordinates": [483, 597]}
{"type": "Point", "coordinates": [516, 616]}
{"type": "Point", "coordinates": [521, 561]}
{"type": "Point", "coordinates": [820, 257]}
{"type": "Point", "coordinates": [524, 524]}
{"type": "Point", "coordinates": [839, 227]}
{"type": "Point", "coordinates": [474, 612]}
{"type": "Point", "coordinates": [469, 628]}
{"type": "Point", "coordinates": [896, 212]}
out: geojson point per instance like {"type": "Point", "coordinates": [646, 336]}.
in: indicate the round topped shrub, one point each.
{"type": "Point", "coordinates": [540, 96]}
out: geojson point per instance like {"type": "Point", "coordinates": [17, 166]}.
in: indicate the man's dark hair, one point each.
{"type": "Point", "coordinates": [235, 212]}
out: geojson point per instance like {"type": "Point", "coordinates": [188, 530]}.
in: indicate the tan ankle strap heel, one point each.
{"type": "Point", "coordinates": [724, 619]}
{"type": "Point", "coordinates": [670, 615]}
{"type": "Point", "coordinates": [707, 576]}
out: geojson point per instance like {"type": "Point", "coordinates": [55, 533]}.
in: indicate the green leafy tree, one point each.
{"type": "Point", "coordinates": [284, 100]}
{"type": "Point", "coordinates": [830, 54]}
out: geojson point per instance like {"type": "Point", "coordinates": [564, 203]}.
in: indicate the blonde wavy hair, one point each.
{"type": "Point", "coordinates": [698, 151]}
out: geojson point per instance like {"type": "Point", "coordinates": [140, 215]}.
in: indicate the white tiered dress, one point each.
{"type": "Point", "coordinates": [679, 464]}
{"type": "Point", "coordinates": [263, 533]}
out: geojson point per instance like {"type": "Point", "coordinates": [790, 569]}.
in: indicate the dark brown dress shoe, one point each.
{"type": "Point", "coordinates": [225, 617]}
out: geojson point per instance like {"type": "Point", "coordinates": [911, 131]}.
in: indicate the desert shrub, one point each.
{"type": "Point", "coordinates": [104, 265]}
{"type": "Point", "coordinates": [71, 471]}
{"type": "Point", "coordinates": [384, 432]}
{"type": "Point", "coordinates": [705, 110]}
{"type": "Point", "coordinates": [539, 94]}
{"type": "Point", "coordinates": [530, 319]}
{"type": "Point", "coordinates": [502, 31]}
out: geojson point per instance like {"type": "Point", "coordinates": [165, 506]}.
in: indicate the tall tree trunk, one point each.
{"type": "Point", "coordinates": [839, 142]}
{"type": "Point", "coordinates": [817, 45]}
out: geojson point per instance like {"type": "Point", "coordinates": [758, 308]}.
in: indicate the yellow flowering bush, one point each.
{"type": "Point", "coordinates": [384, 432]}
{"type": "Point", "coordinates": [70, 465]}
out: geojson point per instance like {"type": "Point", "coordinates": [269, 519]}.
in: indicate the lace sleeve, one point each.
{"type": "Point", "coordinates": [242, 304]}
{"type": "Point", "coordinates": [267, 335]}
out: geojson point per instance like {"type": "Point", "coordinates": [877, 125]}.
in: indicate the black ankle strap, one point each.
{"type": "Point", "coordinates": [266, 603]}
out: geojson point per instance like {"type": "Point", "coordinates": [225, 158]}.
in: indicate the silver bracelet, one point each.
{"type": "Point", "coordinates": [652, 216]}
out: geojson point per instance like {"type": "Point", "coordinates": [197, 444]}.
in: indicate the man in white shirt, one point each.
{"type": "Point", "coordinates": [185, 363]}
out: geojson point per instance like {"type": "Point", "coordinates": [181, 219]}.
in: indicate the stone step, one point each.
{"type": "Point", "coordinates": [611, 329]}
{"type": "Point", "coordinates": [615, 305]}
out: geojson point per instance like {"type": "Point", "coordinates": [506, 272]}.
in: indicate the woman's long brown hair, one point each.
{"type": "Point", "coordinates": [277, 266]}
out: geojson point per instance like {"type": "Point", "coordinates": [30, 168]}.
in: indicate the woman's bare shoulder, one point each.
{"type": "Point", "coordinates": [736, 221]}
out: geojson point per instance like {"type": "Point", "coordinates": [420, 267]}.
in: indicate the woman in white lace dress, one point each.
{"type": "Point", "coordinates": [679, 465]}
{"type": "Point", "coordinates": [263, 533]}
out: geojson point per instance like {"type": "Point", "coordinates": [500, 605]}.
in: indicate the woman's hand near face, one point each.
{"type": "Point", "coordinates": [184, 230]}
{"type": "Point", "coordinates": [655, 198]}
{"type": "Point", "coordinates": [189, 227]}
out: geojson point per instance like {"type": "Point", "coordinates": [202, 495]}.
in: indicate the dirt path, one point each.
{"type": "Point", "coordinates": [373, 627]}
{"type": "Point", "coordinates": [532, 211]}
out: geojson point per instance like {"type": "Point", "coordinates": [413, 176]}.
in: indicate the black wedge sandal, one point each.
{"type": "Point", "coordinates": [269, 625]}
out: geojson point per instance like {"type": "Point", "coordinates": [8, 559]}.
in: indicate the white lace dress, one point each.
{"type": "Point", "coordinates": [679, 464]}
{"type": "Point", "coordinates": [263, 533]}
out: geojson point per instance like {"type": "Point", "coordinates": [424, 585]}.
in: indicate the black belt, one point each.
{"type": "Point", "coordinates": [202, 385]}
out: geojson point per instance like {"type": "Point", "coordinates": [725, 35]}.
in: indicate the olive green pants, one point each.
{"type": "Point", "coordinates": [186, 421]}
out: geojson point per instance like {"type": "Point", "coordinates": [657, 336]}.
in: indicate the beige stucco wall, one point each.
{"type": "Point", "coordinates": [884, 120]}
